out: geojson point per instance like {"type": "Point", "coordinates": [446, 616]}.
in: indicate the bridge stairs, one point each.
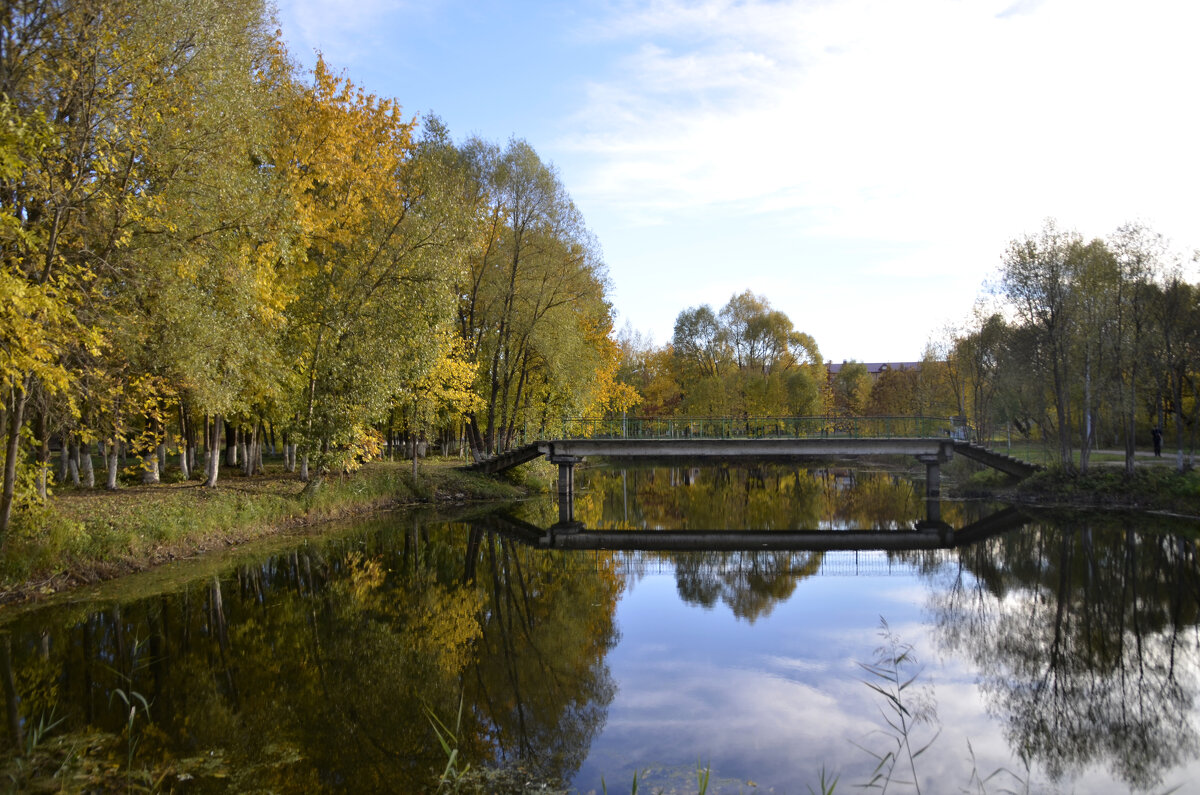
{"type": "Point", "coordinates": [512, 458]}
{"type": "Point", "coordinates": [1004, 463]}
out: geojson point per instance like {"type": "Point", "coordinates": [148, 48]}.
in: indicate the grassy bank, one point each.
{"type": "Point", "coordinates": [86, 535]}
{"type": "Point", "coordinates": [1157, 488]}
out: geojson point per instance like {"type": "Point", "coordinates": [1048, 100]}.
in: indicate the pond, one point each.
{"type": "Point", "coordinates": [1049, 653]}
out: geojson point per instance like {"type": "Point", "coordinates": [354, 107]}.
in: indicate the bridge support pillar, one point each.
{"type": "Point", "coordinates": [566, 485]}
{"type": "Point", "coordinates": [933, 486]}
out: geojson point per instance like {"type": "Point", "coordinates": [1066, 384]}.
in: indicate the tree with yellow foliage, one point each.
{"type": "Point", "coordinates": [371, 266]}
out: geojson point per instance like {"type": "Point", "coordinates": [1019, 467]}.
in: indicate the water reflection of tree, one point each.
{"type": "Point", "coordinates": [312, 670]}
{"type": "Point", "coordinates": [1086, 644]}
{"type": "Point", "coordinates": [760, 496]}
{"type": "Point", "coordinates": [750, 583]}
{"type": "Point", "coordinates": [540, 684]}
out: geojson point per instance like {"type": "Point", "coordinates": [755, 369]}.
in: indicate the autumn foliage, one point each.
{"type": "Point", "coordinates": [205, 251]}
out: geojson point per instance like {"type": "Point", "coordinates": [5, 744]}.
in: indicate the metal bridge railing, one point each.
{"type": "Point", "coordinates": [749, 428]}
{"type": "Point", "coordinates": [838, 563]}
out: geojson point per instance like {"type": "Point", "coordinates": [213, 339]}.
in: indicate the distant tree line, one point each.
{"type": "Point", "coordinates": [205, 248]}
{"type": "Point", "coordinates": [748, 360]}
{"type": "Point", "coordinates": [1079, 344]}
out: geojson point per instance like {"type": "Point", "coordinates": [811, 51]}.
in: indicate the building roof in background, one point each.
{"type": "Point", "coordinates": [874, 368]}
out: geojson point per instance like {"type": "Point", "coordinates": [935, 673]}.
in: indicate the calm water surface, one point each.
{"type": "Point", "coordinates": [1064, 651]}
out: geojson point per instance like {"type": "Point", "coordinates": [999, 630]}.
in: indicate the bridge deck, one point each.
{"type": "Point", "coordinates": [754, 437]}
{"type": "Point", "coordinates": [751, 448]}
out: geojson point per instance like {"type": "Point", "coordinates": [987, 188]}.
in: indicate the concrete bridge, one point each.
{"type": "Point", "coordinates": [782, 438]}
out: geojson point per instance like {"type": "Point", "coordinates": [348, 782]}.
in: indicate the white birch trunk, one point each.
{"type": "Point", "coordinates": [85, 465]}
{"type": "Point", "coordinates": [150, 468]}
{"type": "Point", "coordinates": [110, 481]}
{"type": "Point", "coordinates": [212, 453]}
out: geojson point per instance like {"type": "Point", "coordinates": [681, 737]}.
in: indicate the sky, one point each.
{"type": "Point", "coordinates": [863, 164]}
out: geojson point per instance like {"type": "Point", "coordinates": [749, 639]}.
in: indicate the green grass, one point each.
{"type": "Point", "coordinates": [91, 533]}
{"type": "Point", "coordinates": [1148, 488]}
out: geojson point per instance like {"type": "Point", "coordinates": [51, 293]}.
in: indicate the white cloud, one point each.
{"type": "Point", "coordinates": [895, 119]}
{"type": "Point", "coordinates": [896, 147]}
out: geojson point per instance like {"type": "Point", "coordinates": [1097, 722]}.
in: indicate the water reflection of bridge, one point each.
{"type": "Point", "coordinates": [926, 537]}
{"type": "Point", "coordinates": [870, 563]}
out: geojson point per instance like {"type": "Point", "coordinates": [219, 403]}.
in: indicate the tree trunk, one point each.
{"type": "Point", "coordinates": [390, 435]}
{"type": "Point", "coordinates": [185, 443]}
{"type": "Point", "coordinates": [474, 438]}
{"type": "Point", "coordinates": [85, 464]}
{"type": "Point", "coordinates": [150, 467]}
{"type": "Point", "coordinates": [64, 457]}
{"type": "Point", "coordinates": [12, 701]}
{"type": "Point", "coordinates": [43, 458]}
{"type": "Point", "coordinates": [1061, 410]}
{"type": "Point", "coordinates": [212, 454]}
{"type": "Point", "coordinates": [191, 442]}
{"type": "Point", "coordinates": [304, 468]}
{"type": "Point", "coordinates": [163, 436]}
{"type": "Point", "coordinates": [1177, 396]}
{"type": "Point", "coordinates": [511, 422]}
{"type": "Point", "coordinates": [261, 438]}
{"type": "Point", "coordinates": [149, 453]}
{"type": "Point", "coordinates": [231, 445]}
{"type": "Point", "coordinates": [185, 450]}
{"type": "Point", "coordinates": [245, 445]}
{"type": "Point", "coordinates": [73, 460]}
{"type": "Point", "coordinates": [208, 448]}
{"type": "Point", "coordinates": [1131, 424]}
{"type": "Point", "coordinates": [16, 418]}
{"type": "Point", "coordinates": [110, 482]}
{"type": "Point", "coordinates": [1085, 450]}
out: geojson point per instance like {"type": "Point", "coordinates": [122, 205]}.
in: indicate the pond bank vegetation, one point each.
{"type": "Point", "coordinates": [1149, 488]}
{"type": "Point", "coordinates": [84, 536]}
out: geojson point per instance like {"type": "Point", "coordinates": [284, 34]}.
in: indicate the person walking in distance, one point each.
{"type": "Point", "coordinates": [1157, 434]}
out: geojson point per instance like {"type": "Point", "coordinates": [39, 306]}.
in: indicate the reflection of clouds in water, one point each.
{"type": "Point", "coordinates": [776, 700]}
{"type": "Point", "coordinates": [796, 664]}
{"type": "Point", "coordinates": [905, 592]}
{"type": "Point", "coordinates": [747, 721]}
{"type": "Point", "coordinates": [779, 717]}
